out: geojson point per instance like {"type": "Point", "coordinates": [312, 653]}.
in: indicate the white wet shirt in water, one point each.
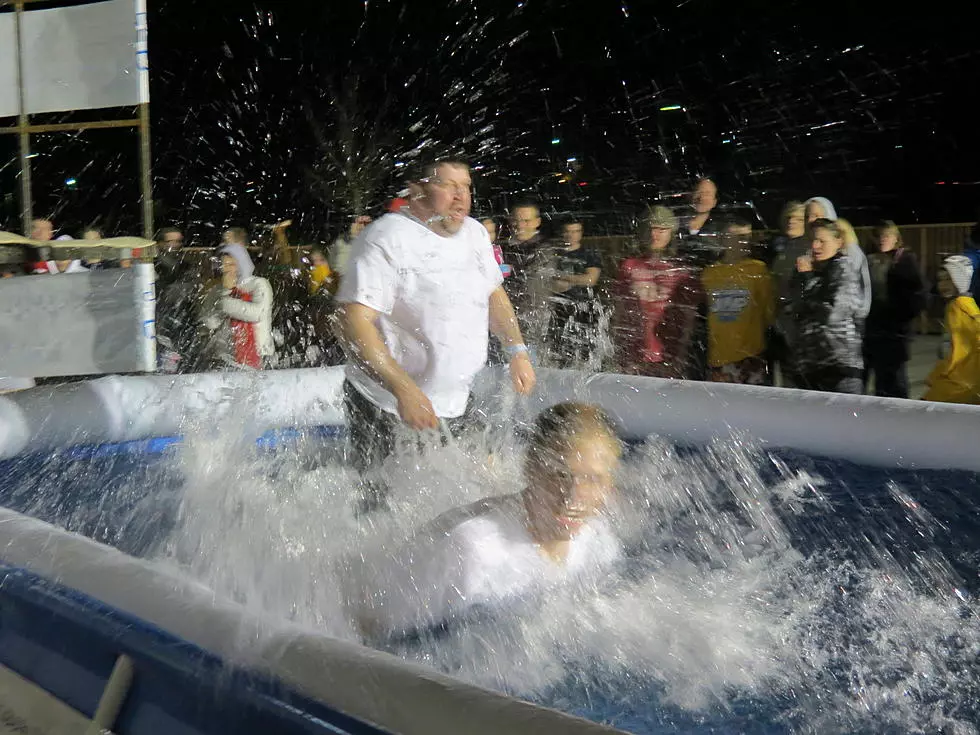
{"type": "Point", "coordinates": [477, 557]}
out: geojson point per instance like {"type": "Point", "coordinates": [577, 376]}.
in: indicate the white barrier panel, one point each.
{"type": "Point", "coordinates": [92, 323]}
{"type": "Point", "coordinates": [372, 686]}
{"type": "Point", "coordinates": [877, 431]}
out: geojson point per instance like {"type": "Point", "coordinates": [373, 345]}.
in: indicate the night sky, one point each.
{"type": "Point", "coordinates": [305, 109]}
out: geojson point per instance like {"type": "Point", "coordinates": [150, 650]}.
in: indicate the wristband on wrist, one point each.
{"type": "Point", "coordinates": [514, 350]}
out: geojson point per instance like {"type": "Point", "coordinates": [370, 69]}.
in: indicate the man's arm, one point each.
{"type": "Point", "coordinates": [503, 320]}
{"type": "Point", "coordinates": [361, 340]}
{"type": "Point", "coordinates": [588, 279]}
{"type": "Point", "coordinates": [503, 324]}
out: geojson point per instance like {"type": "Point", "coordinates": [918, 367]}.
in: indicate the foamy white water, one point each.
{"type": "Point", "coordinates": [715, 607]}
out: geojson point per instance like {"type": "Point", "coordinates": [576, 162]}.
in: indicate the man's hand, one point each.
{"type": "Point", "coordinates": [415, 408]}
{"type": "Point", "coordinates": [522, 373]}
{"type": "Point", "coordinates": [804, 264]}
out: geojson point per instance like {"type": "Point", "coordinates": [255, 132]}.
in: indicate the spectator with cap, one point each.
{"type": "Point", "coordinates": [659, 297]}
{"type": "Point", "coordinates": [956, 377]}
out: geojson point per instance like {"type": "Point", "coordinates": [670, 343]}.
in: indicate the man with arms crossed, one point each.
{"type": "Point", "coordinates": [421, 293]}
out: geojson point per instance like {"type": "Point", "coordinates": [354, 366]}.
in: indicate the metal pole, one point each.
{"type": "Point", "coordinates": [23, 120]}
{"type": "Point", "coordinates": [143, 69]}
{"type": "Point", "coordinates": [146, 182]}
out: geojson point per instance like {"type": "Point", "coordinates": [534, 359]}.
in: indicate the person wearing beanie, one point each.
{"type": "Point", "coordinates": [659, 298]}
{"type": "Point", "coordinates": [819, 208]}
{"type": "Point", "coordinates": [956, 377]}
{"type": "Point", "coordinates": [238, 312]}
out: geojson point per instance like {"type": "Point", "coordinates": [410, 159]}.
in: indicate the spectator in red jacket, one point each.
{"type": "Point", "coordinates": [659, 296]}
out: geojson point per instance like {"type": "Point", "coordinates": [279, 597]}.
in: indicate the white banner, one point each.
{"type": "Point", "coordinates": [77, 58]}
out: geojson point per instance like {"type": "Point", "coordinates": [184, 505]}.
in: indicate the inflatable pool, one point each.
{"type": "Point", "coordinates": [145, 645]}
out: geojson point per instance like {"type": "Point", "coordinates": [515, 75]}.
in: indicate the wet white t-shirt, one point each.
{"type": "Point", "coordinates": [480, 556]}
{"type": "Point", "coordinates": [433, 294]}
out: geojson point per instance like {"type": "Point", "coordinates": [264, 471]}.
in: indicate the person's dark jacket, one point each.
{"type": "Point", "coordinates": [528, 286]}
{"type": "Point", "coordinates": [703, 247]}
{"type": "Point", "coordinates": [898, 295]}
{"type": "Point", "coordinates": [179, 290]}
{"type": "Point", "coordinates": [826, 302]}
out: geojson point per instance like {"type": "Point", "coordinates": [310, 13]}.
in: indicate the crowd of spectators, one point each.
{"type": "Point", "coordinates": [699, 295]}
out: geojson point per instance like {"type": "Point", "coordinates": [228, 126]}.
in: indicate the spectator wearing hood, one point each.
{"type": "Point", "coordinates": [821, 208]}
{"type": "Point", "coordinates": [971, 249]}
{"type": "Point", "coordinates": [239, 312]}
{"type": "Point", "coordinates": [897, 296]}
{"type": "Point", "coordinates": [826, 304]}
{"type": "Point", "coordinates": [956, 377]}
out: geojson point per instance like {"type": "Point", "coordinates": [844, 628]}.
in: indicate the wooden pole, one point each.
{"type": "Point", "coordinates": [23, 120]}
{"type": "Point", "coordinates": [146, 182]}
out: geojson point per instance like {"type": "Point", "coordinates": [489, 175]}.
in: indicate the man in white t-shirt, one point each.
{"type": "Point", "coordinates": [500, 551]}
{"type": "Point", "coordinates": [421, 294]}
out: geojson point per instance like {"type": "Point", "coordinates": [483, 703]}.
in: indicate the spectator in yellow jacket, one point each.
{"type": "Point", "coordinates": [956, 377]}
{"type": "Point", "coordinates": [320, 274]}
{"type": "Point", "coordinates": [740, 310]}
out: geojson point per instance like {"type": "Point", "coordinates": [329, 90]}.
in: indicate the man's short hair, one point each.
{"type": "Point", "coordinates": [162, 233]}
{"type": "Point", "coordinates": [424, 169]}
{"type": "Point", "coordinates": [238, 234]}
{"type": "Point", "coordinates": [527, 204]}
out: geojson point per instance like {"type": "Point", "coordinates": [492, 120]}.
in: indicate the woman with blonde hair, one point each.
{"type": "Point", "coordinates": [822, 208]}
{"type": "Point", "coordinates": [826, 304]}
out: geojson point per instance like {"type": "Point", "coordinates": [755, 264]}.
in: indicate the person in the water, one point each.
{"type": "Point", "coordinates": [497, 551]}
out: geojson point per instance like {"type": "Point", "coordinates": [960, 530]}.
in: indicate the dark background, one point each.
{"type": "Point", "coordinates": [306, 109]}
